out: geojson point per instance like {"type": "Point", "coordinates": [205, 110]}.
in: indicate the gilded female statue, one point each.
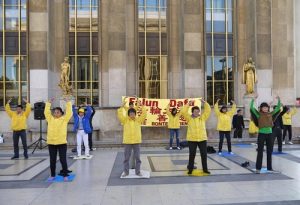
{"type": "Point", "coordinates": [249, 76]}
{"type": "Point", "coordinates": [64, 83]}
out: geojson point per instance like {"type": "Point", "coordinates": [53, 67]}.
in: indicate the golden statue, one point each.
{"type": "Point", "coordinates": [249, 76]}
{"type": "Point", "coordinates": [64, 83]}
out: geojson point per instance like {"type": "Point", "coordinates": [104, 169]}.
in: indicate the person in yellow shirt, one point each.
{"type": "Point", "coordinates": [173, 125]}
{"type": "Point", "coordinates": [19, 126]}
{"type": "Point", "coordinates": [224, 124]}
{"type": "Point", "coordinates": [132, 136]}
{"type": "Point", "coordinates": [196, 134]}
{"type": "Point", "coordinates": [287, 123]}
{"type": "Point", "coordinates": [57, 137]}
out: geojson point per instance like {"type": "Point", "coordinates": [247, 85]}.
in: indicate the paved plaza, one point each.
{"type": "Point", "coordinates": [97, 181]}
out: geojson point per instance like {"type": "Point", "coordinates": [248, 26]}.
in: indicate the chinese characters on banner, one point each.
{"type": "Point", "coordinates": [156, 109]}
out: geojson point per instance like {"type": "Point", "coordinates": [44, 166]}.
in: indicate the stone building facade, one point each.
{"type": "Point", "coordinates": [265, 30]}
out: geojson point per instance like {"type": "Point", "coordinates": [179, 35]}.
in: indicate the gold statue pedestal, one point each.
{"type": "Point", "coordinates": [64, 99]}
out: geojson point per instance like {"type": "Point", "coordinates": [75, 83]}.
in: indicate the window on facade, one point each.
{"type": "Point", "coordinates": [13, 51]}
{"type": "Point", "coordinates": [83, 50]}
{"type": "Point", "coordinates": [219, 50]}
{"type": "Point", "coordinates": [152, 64]}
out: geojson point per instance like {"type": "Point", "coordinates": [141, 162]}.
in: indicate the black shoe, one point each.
{"type": "Point", "coordinates": [26, 157]}
{"type": "Point", "coordinates": [14, 157]}
{"type": "Point", "coordinates": [206, 171]}
{"type": "Point", "coordinates": [74, 150]}
{"type": "Point", "coordinates": [190, 171]}
{"type": "Point", "coordinates": [195, 167]}
{"type": "Point", "coordinates": [62, 174]}
{"type": "Point", "coordinates": [68, 171]}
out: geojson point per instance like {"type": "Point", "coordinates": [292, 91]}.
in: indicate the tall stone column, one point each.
{"type": "Point", "coordinates": [194, 75]}
{"type": "Point", "coordinates": [283, 50]}
{"type": "Point", "coordinates": [57, 41]}
{"type": "Point", "coordinates": [244, 19]}
{"type": "Point", "coordinates": [113, 69]}
{"type": "Point", "coordinates": [175, 49]}
{"type": "Point", "coordinates": [37, 52]}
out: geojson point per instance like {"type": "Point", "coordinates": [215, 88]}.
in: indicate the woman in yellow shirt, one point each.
{"type": "Point", "coordinates": [57, 137]}
{"type": "Point", "coordinates": [224, 124]}
{"type": "Point", "coordinates": [173, 125]}
{"type": "Point", "coordinates": [196, 134]}
{"type": "Point", "coordinates": [287, 124]}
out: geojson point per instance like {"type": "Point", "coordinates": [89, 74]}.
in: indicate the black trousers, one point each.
{"type": "Point", "coordinates": [277, 134]}
{"type": "Point", "coordinates": [238, 132]}
{"type": "Point", "coordinates": [16, 138]}
{"type": "Point", "coordinates": [287, 128]}
{"type": "Point", "coordinates": [223, 134]}
{"type": "Point", "coordinates": [62, 150]}
{"type": "Point", "coordinates": [262, 138]}
{"type": "Point", "coordinates": [203, 152]}
{"type": "Point", "coordinates": [91, 140]}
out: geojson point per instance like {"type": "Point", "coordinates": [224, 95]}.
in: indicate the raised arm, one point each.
{"type": "Point", "coordinates": [74, 111]}
{"type": "Point", "coordinates": [47, 111]}
{"type": "Point", "coordinates": [185, 112]}
{"type": "Point", "coordinates": [207, 110]}
{"type": "Point", "coordinates": [293, 111]}
{"type": "Point", "coordinates": [168, 110]}
{"type": "Point", "coordinates": [89, 111]}
{"type": "Point", "coordinates": [27, 110]}
{"type": "Point", "coordinates": [8, 110]}
{"type": "Point", "coordinates": [69, 112]}
{"type": "Point", "coordinates": [216, 108]}
{"type": "Point", "coordinates": [277, 109]}
{"type": "Point", "coordinates": [253, 109]}
{"type": "Point", "coordinates": [143, 116]}
{"type": "Point", "coordinates": [233, 109]}
{"type": "Point", "coordinates": [121, 116]}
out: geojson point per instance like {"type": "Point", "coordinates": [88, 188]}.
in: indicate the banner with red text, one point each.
{"type": "Point", "coordinates": [156, 109]}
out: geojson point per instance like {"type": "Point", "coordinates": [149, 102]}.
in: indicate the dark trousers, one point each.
{"type": "Point", "coordinates": [16, 137]}
{"type": "Point", "coordinates": [277, 134]}
{"type": "Point", "coordinates": [172, 133]}
{"type": "Point", "coordinates": [91, 140]}
{"type": "Point", "coordinates": [287, 128]}
{"type": "Point", "coordinates": [62, 150]}
{"type": "Point", "coordinates": [223, 134]}
{"type": "Point", "coordinates": [262, 138]}
{"type": "Point", "coordinates": [203, 152]}
{"type": "Point", "coordinates": [238, 132]}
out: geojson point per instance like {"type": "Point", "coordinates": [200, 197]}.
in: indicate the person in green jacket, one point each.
{"type": "Point", "coordinates": [264, 119]}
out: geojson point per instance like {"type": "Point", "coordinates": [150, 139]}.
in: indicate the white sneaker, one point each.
{"type": "Point", "coordinates": [219, 153]}
{"type": "Point", "coordinates": [231, 153]}
{"type": "Point", "coordinates": [170, 148]}
{"type": "Point", "coordinates": [124, 174]}
{"type": "Point", "coordinates": [290, 142]}
{"type": "Point", "coordinates": [178, 148]}
{"type": "Point", "coordinates": [283, 142]}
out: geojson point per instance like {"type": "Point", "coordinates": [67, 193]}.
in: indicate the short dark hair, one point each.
{"type": "Point", "coordinates": [264, 104]}
{"type": "Point", "coordinates": [239, 110]}
{"type": "Point", "coordinates": [223, 107]}
{"type": "Point", "coordinates": [131, 103]}
{"type": "Point", "coordinates": [195, 108]}
{"type": "Point", "coordinates": [59, 109]}
{"type": "Point", "coordinates": [131, 110]}
{"type": "Point", "coordinates": [20, 106]}
{"type": "Point", "coordinates": [174, 110]}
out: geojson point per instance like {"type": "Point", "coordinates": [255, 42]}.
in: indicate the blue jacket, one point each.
{"type": "Point", "coordinates": [85, 121]}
